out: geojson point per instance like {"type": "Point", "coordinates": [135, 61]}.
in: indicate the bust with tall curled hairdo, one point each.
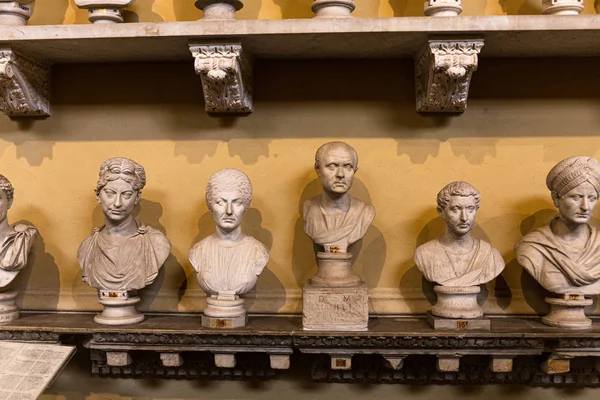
{"type": "Point", "coordinates": [564, 256]}
{"type": "Point", "coordinates": [456, 258]}
{"type": "Point", "coordinates": [228, 262]}
{"type": "Point", "coordinates": [124, 254]}
{"type": "Point", "coordinates": [335, 219]}
{"type": "Point", "coordinates": [15, 244]}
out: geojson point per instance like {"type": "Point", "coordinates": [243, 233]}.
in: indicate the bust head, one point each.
{"type": "Point", "coordinates": [574, 184]}
{"type": "Point", "coordinates": [457, 205]}
{"type": "Point", "coordinates": [120, 184]}
{"type": "Point", "coordinates": [335, 164]}
{"type": "Point", "coordinates": [228, 196]}
{"type": "Point", "coordinates": [6, 196]}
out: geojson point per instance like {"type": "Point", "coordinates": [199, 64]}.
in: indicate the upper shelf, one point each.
{"type": "Point", "coordinates": [505, 36]}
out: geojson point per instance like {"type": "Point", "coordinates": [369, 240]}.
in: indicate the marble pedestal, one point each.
{"type": "Point", "coordinates": [568, 312]}
{"type": "Point", "coordinates": [335, 270]}
{"type": "Point", "coordinates": [8, 307]}
{"type": "Point", "coordinates": [104, 11]}
{"type": "Point", "coordinates": [335, 308]}
{"type": "Point", "coordinates": [15, 13]}
{"type": "Point", "coordinates": [119, 308]}
{"type": "Point", "coordinates": [457, 302]}
{"type": "Point", "coordinates": [224, 311]}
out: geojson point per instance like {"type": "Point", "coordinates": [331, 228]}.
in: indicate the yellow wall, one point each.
{"type": "Point", "coordinates": [49, 12]}
{"type": "Point", "coordinates": [523, 117]}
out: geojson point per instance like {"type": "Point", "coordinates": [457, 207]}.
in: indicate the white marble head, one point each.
{"type": "Point", "coordinates": [575, 185]}
{"type": "Point", "coordinates": [335, 164]}
{"type": "Point", "coordinates": [228, 196]}
{"type": "Point", "coordinates": [119, 188]}
{"type": "Point", "coordinates": [457, 205]}
{"type": "Point", "coordinates": [6, 196]}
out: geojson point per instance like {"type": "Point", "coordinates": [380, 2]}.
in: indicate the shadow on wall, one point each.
{"type": "Point", "coordinates": [521, 7]}
{"type": "Point", "coordinates": [382, 93]}
{"type": "Point", "coordinates": [367, 265]}
{"type": "Point", "coordinates": [39, 282]}
{"type": "Point", "coordinates": [407, 8]}
{"type": "Point", "coordinates": [48, 12]}
{"type": "Point", "coordinates": [295, 8]}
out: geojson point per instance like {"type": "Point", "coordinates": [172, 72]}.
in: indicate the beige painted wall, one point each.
{"type": "Point", "coordinates": [48, 12]}
{"type": "Point", "coordinates": [523, 117]}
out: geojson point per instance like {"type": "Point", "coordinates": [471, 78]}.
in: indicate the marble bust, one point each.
{"type": "Point", "coordinates": [564, 256]}
{"type": "Point", "coordinates": [456, 258]}
{"type": "Point", "coordinates": [335, 219]}
{"type": "Point", "coordinates": [335, 298]}
{"type": "Point", "coordinates": [456, 261]}
{"type": "Point", "coordinates": [15, 243]}
{"type": "Point", "coordinates": [228, 262]}
{"type": "Point", "coordinates": [124, 254]}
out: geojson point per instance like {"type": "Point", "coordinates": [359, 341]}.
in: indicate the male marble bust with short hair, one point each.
{"type": "Point", "coordinates": [456, 258]}
{"type": "Point", "coordinates": [334, 219]}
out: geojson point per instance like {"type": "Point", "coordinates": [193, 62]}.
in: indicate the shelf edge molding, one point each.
{"type": "Point", "coordinates": [443, 74]}
{"type": "Point", "coordinates": [24, 86]}
{"type": "Point", "coordinates": [226, 73]}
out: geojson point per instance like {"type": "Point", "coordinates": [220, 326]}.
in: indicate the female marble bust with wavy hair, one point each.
{"type": "Point", "coordinates": [123, 255]}
{"type": "Point", "coordinates": [564, 256]}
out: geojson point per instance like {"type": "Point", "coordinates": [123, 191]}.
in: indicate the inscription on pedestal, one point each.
{"type": "Point", "coordinates": [335, 308]}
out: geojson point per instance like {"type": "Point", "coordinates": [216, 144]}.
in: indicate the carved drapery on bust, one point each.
{"type": "Point", "coordinates": [24, 86]}
{"type": "Point", "coordinates": [228, 267]}
{"type": "Point", "coordinates": [456, 258]}
{"type": "Point", "coordinates": [340, 229]}
{"type": "Point", "coordinates": [123, 254]}
{"type": "Point", "coordinates": [335, 219]}
{"type": "Point", "coordinates": [564, 257]}
{"type": "Point", "coordinates": [123, 262]}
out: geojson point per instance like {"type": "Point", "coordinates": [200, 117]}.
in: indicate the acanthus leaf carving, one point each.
{"type": "Point", "coordinates": [443, 74]}
{"type": "Point", "coordinates": [24, 86]}
{"type": "Point", "coordinates": [226, 74]}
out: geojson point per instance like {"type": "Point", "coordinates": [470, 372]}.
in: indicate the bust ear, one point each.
{"type": "Point", "coordinates": [138, 196]}
{"type": "Point", "coordinates": [98, 197]}
{"type": "Point", "coordinates": [441, 213]}
{"type": "Point", "coordinates": [555, 199]}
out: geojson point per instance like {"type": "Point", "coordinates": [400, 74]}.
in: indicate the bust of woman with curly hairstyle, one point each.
{"type": "Point", "coordinates": [124, 254]}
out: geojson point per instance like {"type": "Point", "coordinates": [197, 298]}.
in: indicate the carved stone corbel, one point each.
{"type": "Point", "coordinates": [24, 86]}
{"type": "Point", "coordinates": [226, 74]}
{"type": "Point", "coordinates": [443, 74]}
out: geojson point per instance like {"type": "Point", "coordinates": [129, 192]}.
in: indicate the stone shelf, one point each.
{"type": "Point", "coordinates": [178, 346]}
{"type": "Point", "coordinates": [505, 36]}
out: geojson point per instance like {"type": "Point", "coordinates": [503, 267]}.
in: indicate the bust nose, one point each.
{"type": "Point", "coordinates": [228, 209]}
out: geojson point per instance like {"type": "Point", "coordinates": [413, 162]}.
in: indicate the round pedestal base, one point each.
{"type": "Point", "coordinates": [215, 9]}
{"type": "Point", "coordinates": [14, 14]}
{"type": "Point", "coordinates": [568, 313]}
{"type": "Point", "coordinates": [224, 308]}
{"type": "Point", "coordinates": [457, 302]}
{"type": "Point", "coordinates": [119, 311]}
{"type": "Point", "coordinates": [562, 7]}
{"type": "Point", "coordinates": [8, 307]}
{"type": "Point", "coordinates": [105, 15]}
{"type": "Point", "coordinates": [333, 8]}
{"type": "Point", "coordinates": [335, 270]}
{"type": "Point", "coordinates": [443, 8]}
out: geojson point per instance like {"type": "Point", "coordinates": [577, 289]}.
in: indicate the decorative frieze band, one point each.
{"type": "Point", "coordinates": [24, 86]}
{"type": "Point", "coordinates": [226, 74]}
{"type": "Point", "coordinates": [443, 74]}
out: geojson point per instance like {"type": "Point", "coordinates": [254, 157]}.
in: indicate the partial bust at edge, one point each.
{"type": "Point", "coordinates": [564, 256]}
